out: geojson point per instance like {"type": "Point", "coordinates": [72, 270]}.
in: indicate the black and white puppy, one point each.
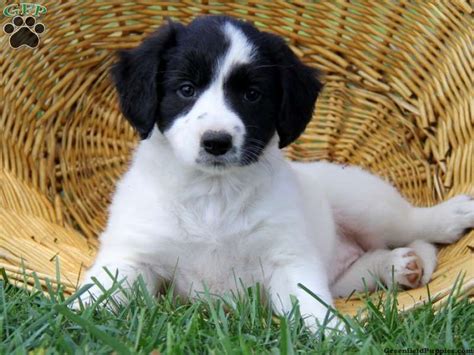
{"type": "Point", "coordinates": [209, 201]}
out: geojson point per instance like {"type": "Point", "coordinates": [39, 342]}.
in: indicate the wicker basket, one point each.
{"type": "Point", "coordinates": [398, 100]}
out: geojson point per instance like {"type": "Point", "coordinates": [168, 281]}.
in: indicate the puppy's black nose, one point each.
{"type": "Point", "coordinates": [216, 142]}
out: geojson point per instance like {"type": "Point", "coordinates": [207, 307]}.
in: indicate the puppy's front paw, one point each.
{"type": "Point", "coordinates": [454, 218]}
{"type": "Point", "coordinates": [76, 304]}
{"type": "Point", "coordinates": [110, 302]}
{"type": "Point", "coordinates": [404, 267]}
{"type": "Point", "coordinates": [336, 326]}
{"type": "Point", "coordinates": [333, 326]}
{"type": "Point", "coordinates": [86, 298]}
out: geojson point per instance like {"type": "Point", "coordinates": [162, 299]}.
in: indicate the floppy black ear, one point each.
{"type": "Point", "coordinates": [136, 78]}
{"type": "Point", "coordinates": [301, 86]}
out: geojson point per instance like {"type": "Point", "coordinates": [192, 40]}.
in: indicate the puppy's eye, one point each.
{"type": "Point", "coordinates": [186, 91]}
{"type": "Point", "coordinates": [252, 95]}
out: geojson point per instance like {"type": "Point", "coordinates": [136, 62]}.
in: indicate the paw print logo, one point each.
{"type": "Point", "coordinates": [24, 31]}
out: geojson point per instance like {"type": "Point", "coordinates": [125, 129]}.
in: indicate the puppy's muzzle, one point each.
{"type": "Point", "coordinates": [216, 142]}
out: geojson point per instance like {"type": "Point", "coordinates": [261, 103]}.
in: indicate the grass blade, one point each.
{"type": "Point", "coordinates": [91, 328]}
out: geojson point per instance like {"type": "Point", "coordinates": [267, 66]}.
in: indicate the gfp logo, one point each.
{"type": "Point", "coordinates": [24, 29]}
{"type": "Point", "coordinates": [24, 9]}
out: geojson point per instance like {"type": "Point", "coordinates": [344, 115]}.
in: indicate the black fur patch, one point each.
{"type": "Point", "coordinates": [194, 59]}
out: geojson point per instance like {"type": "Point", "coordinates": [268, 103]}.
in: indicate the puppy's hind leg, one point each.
{"type": "Point", "coordinates": [445, 222]}
{"type": "Point", "coordinates": [377, 216]}
{"type": "Point", "coordinates": [410, 267]}
{"type": "Point", "coordinates": [428, 255]}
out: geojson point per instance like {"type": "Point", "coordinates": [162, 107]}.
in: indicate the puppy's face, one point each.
{"type": "Point", "coordinates": [218, 90]}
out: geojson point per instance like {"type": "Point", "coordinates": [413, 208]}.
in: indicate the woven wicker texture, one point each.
{"type": "Point", "coordinates": [398, 100]}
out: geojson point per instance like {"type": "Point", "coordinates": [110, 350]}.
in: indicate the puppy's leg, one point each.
{"type": "Point", "coordinates": [375, 213]}
{"type": "Point", "coordinates": [111, 268]}
{"type": "Point", "coordinates": [410, 267]}
{"type": "Point", "coordinates": [284, 284]}
{"type": "Point", "coordinates": [362, 274]}
{"type": "Point", "coordinates": [445, 222]}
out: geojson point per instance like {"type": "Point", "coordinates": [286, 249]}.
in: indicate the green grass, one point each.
{"type": "Point", "coordinates": [32, 321]}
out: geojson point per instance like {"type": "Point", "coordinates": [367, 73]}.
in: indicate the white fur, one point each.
{"type": "Point", "coordinates": [323, 225]}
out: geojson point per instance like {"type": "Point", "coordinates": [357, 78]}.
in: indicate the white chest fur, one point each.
{"type": "Point", "coordinates": [222, 234]}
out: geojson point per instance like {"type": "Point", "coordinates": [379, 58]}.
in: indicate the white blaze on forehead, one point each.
{"type": "Point", "coordinates": [240, 51]}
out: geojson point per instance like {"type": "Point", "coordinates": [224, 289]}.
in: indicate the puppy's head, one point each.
{"type": "Point", "coordinates": [217, 89]}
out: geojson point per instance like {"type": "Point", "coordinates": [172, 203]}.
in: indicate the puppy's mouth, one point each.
{"type": "Point", "coordinates": [218, 162]}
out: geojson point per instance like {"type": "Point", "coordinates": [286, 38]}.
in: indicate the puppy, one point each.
{"type": "Point", "coordinates": [209, 202]}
